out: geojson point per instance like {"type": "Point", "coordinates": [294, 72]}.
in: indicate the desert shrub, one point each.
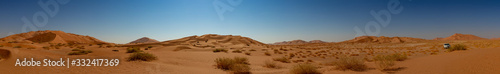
{"type": "Point", "coordinates": [350, 63]}
{"type": "Point", "coordinates": [282, 59]}
{"type": "Point", "coordinates": [457, 47]}
{"type": "Point", "coordinates": [17, 46]}
{"type": "Point", "coordinates": [253, 50]}
{"type": "Point", "coordinates": [267, 53]}
{"type": "Point", "coordinates": [240, 69]}
{"type": "Point", "coordinates": [220, 50]}
{"type": "Point", "coordinates": [241, 60]}
{"type": "Point", "coordinates": [150, 46]}
{"type": "Point", "coordinates": [224, 63]}
{"type": "Point", "coordinates": [237, 51]}
{"type": "Point", "coordinates": [1, 45]}
{"type": "Point", "coordinates": [4, 54]}
{"type": "Point", "coordinates": [116, 50]}
{"type": "Point", "coordinates": [247, 53]}
{"type": "Point", "coordinates": [384, 62]}
{"type": "Point", "coordinates": [398, 57]}
{"type": "Point", "coordinates": [141, 57]}
{"type": "Point", "coordinates": [76, 50]}
{"type": "Point", "coordinates": [80, 52]}
{"type": "Point", "coordinates": [31, 47]}
{"type": "Point", "coordinates": [304, 69]}
{"type": "Point", "coordinates": [271, 64]}
{"type": "Point", "coordinates": [238, 65]}
{"type": "Point", "coordinates": [133, 50]}
{"type": "Point", "coordinates": [46, 48]}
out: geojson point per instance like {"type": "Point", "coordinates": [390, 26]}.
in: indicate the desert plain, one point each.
{"type": "Point", "coordinates": [200, 55]}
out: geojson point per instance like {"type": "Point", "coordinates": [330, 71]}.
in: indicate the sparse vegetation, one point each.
{"type": "Point", "coordinates": [237, 51]}
{"type": "Point", "coordinates": [271, 64]}
{"type": "Point", "coordinates": [17, 46]}
{"type": "Point", "coordinates": [80, 52]}
{"type": "Point", "coordinates": [4, 54]}
{"type": "Point", "coordinates": [304, 69]}
{"type": "Point", "coordinates": [247, 53]}
{"type": "Point", "coordinates": [133, 50]}
{"type": "Point", "coordinates": [76, 50]}
{"type": "Point", "coordinates": [141, 56]}
{"type": "Point", "coordinates": [1, 45]}
{"type": "Point", "coordinates": [219, 50]}
{"type": "Point", "coordinates": [238, 65]}
{"type": "Point", "coordinates": [457, 47]}
{"type": "Point", "coordinates": [350, 63]}
{"type": "Point", "coordinates": [150, 46]}
{"type": "Point", "coordinates": [115, 50]}
{"type": "Point", "coordinates": [282, 59]}
{"type": "Point", "coordinates": [267, 54]}
{"type": "Point", "coordinates": [384, 62]}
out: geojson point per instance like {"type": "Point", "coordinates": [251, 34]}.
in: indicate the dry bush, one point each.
{"type": "Point", "coordinates": [457, 47]}
{"type": "Point", "coordinates": [384, 62]}
{"type": "Point", "coordinates": [267, 54]}
{"type": "Point", "coordinates": [239, 65]}
{"type": "Point", "coordinates": [350, 63]}
{"type": "Point", "coordinates": [237, 51]}
{"type": "Point", "coordinates": [282, 59]}
{"type": "Point", "coordinates": [219, 50]}
{"type": "Point", "coordinates": [133, 50]}
{"type": "Point", "coordinates": [141, 57]}
{"type": "Point", "coordinates": [247, 53]}
{"type": "Point", "coordinates": [241, 60]}
{"type": "Point", "coordinates": [4, 54]}
{"type": "Point", "coordinates": [398, 57]}
{"type": "Point", "coordinates": [80, 52]}
{"type": "Point", "coordinates": [240, 69]}
{"type": "Point", "coordinates": [271, 64]}
{"type": "Point", "coordinates": [304, 69]}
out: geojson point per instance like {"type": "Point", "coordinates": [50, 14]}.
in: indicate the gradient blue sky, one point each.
{"type": "Point", "coordinates": [268, 21]}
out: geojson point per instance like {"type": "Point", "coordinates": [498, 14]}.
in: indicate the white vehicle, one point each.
{"type": "Point", "coordinates": [446, 45]}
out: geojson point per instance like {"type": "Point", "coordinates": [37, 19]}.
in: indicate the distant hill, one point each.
{"type": "Point", "coordinates": [144, 40]}
{"type": "Point", "coordinates": [458, 36]}
{"type": "Point", "coordinates": [214, 40]}
{"type": "Point", "coordinates": [383, 39]}
{"type": "Point", "coordinates": [51, 37]}
{"type": "Point", "coordinates": [294, 42]}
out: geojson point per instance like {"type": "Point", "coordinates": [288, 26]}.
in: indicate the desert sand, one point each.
{"type": "Point", "coordinates": [195, 54]}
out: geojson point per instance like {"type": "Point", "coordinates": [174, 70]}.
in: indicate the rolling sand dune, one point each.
{"type": "Point", "coordinates": [144, 40]}
{"type": "Point", "coordinates": [458, 36]}
{"type": "Point", "coordinates": [196, 55]}
{"type": "Point", "coordinates": [383, 39]}
{"type": "Point", "coordinates": [51, 37]}
{"type": "Point", "coordinates": [295, 42]}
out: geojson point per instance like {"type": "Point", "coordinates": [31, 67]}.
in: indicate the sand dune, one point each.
{"type": "Point", "coordinates": [51, 37]}
{"type": "Point", "coordinates": [295, 42]}
{"type": "Point", "coordinates": [383, 39]}
{"type": "Point", "coordinates": [144, 40]}
{"type": "Point", "coordinates": [458, 36]}
{"type": "Point", "coordinates": [195, 55]}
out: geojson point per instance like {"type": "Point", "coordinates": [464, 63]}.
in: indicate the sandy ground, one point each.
{"type": "Point", "coordinates": [474, 61]}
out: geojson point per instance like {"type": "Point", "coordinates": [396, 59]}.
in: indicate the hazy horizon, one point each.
{"type": "Point", "coordinates": [267, 21]}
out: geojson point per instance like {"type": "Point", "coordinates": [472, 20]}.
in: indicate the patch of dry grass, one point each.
{"type": "Point", "coordinates": [304, 69]}
{"type": "Point", "coordinates": [350, 63]}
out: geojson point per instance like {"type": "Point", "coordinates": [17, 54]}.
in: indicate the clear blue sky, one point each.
{"type": "Point", "coordinates": [268, 21]}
